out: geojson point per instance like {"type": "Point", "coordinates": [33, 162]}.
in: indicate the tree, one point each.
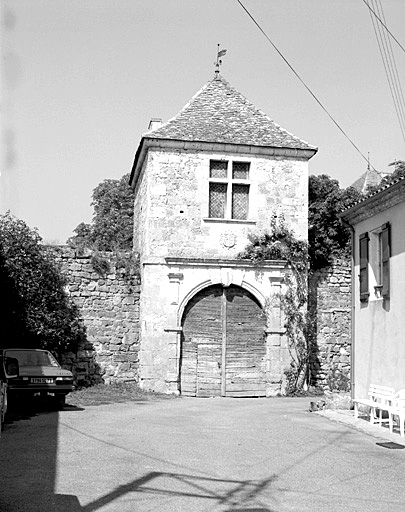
{"type": "Point", "coordinates": [112, 224]}
{"type": "Point", "coordinates": [327, 236]}
{"type": "Point", "coordinates": [399, 172]}
{"type": "Point", "coordinates": [36, 309]}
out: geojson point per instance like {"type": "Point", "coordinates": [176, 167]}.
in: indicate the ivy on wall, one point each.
{"type": "Point", "coordinates": [126, 264]}
{"type": "Point", "coordinates": [280, 243]}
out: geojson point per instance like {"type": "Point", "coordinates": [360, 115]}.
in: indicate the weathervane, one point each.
{"type": "Point", "coordinates": [220, 53]}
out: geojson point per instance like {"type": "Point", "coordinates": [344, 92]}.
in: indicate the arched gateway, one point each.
{"type": "Point", "coordinates": [223, 349]}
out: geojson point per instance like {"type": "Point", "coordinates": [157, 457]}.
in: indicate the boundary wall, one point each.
{"type": "Point", "coordinates": [106, 289]}
{"type": "Point", "coordinates": [329, 326]}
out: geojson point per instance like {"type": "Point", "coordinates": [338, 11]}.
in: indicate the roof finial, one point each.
{"type": "Point", "coordinates": [220, 53]}
{"type": "Point", "coordinates": [368, 161]}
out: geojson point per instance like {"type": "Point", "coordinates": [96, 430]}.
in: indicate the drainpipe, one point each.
{"type": "Point", "coordinates": [353, 307]}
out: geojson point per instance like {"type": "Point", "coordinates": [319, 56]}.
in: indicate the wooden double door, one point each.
{"type": "Point", "coordinates": [223, 348]}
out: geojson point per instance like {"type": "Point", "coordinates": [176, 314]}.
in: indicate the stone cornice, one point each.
{"type": "Point", "coordinates": [152, 143]}
{"type": "Point", "coordinates": [382, 200]}
{"type": "Point", "coordinates": [213, 262]}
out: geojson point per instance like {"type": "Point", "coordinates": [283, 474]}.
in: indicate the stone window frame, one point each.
{"type": "Point", "coordinates": [230, 184]}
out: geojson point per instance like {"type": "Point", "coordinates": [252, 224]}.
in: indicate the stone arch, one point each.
{"type": "Point", "coordinates": [189, 296]}
{"type": "Point", "coordinates": [205, 284]}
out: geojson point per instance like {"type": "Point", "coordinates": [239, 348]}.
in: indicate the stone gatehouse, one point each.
{"type": "Point", "coordinates": [211, 324]}
{"type": "Point", "coordinates": [201, 321]}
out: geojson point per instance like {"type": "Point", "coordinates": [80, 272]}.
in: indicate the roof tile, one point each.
{"type": "Point", "coordinates": [219, 113]}
{"type": "Point", "coordinates": [369, 179]}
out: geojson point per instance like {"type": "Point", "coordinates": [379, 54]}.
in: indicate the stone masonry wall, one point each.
{"type": "Point", "coordinates": [105, 287]}
{"type": "Point", "coordinates": [329, 308]}
{"type": "Point", "coordinates": [108, 300]}
{"type": "Point", "coordinates": [172, 203]}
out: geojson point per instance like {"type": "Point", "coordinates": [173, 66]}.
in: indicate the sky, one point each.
{"type": "Point", "coordinates": [81, 79]}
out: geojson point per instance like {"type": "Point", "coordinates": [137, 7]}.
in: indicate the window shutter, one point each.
{"type": "Point", "coordinates": [363, 249]}
{"type": "Point", "coordinates": [385, 259]}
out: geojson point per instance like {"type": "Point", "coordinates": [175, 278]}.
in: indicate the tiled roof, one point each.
{"type": "Point", "coordinates": [219, 113]}
{"type": "Point", "coordinates": [368, 196]}
{"type": "Point", "coordinates": [369, 179]}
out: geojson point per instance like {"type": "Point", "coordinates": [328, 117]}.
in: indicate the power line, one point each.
{"type": "Point", "coordinates": [385, 26]}
{"type": "Point", "coordinates": [400, 91]}
{"type": "Point", "coordinates": [305, 85]}
{"type": "Point", "coordinates": [390, 67]}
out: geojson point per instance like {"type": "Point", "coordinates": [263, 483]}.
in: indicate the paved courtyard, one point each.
{"type": "Point", "coordinates": [191, 454]}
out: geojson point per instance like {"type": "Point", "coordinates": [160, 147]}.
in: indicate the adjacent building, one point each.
{"type": "Point", "coordinates": [378, 298]}
{"type": "Point", "coordinates": [367, 180]}
{"type": "Point", "coordinates": [210, 323]}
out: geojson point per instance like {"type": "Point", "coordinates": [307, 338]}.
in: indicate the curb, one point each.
{"type": "Point", "coordinates": [346, 417]}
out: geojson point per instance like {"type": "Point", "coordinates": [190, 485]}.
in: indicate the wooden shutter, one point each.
{"type": "Point", "coordinates": [363, 256]}
{"type": "Point", "coordinates": [385, 259]}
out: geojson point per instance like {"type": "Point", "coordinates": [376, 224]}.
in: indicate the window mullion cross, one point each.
{"type": "Point", "coordinates": [229, 193]}
{"type": "Point", "coordinates": [228, 189]}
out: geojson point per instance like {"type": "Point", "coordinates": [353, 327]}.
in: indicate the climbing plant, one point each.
{"type": "Point", "coordinates": [125, 263]}
{"type": "Point", "coordinates": [280, 243]}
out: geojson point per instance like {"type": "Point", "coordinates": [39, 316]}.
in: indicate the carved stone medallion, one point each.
{"type": "Point", "coordinates": [228, 239]}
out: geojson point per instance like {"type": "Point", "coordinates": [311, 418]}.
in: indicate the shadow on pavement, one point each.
{"type": "Point", "coordinates": [36, 493]}
{"type": "Point", "coordinates": [391, 445]}
{"type": "Point", "coordinates": [233, 493]}
{"type": "Point", "coordinates": [28, 464]}
{"type": "Point", "coordinates": [22, 408]}
{"type": "Point", "coordinates": [28, 458]}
